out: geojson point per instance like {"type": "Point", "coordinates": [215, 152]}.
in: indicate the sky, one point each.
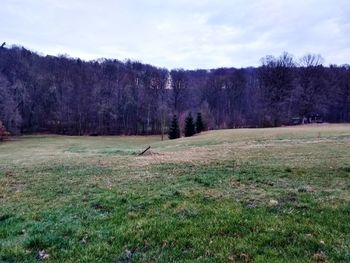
{"type": "Point", "coordinates": [178, 33]}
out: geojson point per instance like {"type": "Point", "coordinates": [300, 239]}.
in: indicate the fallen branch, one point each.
{"type": "Point", "coordinates": [149, 147]}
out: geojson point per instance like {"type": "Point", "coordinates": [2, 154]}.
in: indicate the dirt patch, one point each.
{"type": "Point", "coordinates": [151, 153]}
{"type": "Point", "coordinates": [196, 155]}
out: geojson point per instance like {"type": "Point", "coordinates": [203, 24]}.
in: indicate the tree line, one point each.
{"type": "Point", "coordinates": [63, 95]}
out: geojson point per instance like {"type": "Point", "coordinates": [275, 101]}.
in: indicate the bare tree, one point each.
{"type": "Point", "coordinates": [70, 96]}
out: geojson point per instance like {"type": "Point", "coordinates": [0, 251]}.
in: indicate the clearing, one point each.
{"type": "Point", "coordinates": [245, 195]}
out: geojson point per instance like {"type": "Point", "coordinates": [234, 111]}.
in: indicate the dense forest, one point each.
{"type": "Point", "coordinates": [49, 94]}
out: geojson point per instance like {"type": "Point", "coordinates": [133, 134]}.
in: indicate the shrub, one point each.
{"type": "Point", "coordinates": [3, 132]}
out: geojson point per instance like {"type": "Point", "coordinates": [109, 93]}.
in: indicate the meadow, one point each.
{"type": "Point", "coordinates": [243, 195]}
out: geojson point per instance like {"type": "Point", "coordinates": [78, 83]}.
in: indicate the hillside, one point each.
{"type": "Point", "coordinates": [63, 95]}
{"type": "Point", "coordinates": [243, 195]}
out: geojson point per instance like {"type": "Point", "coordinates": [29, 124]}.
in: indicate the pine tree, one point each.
{"type": "Point", "coordinates": [189, 126]}
{"type": "Point", "coordinates": [199, 123]}
{"type": "Point", "coordinates": [174, 130]}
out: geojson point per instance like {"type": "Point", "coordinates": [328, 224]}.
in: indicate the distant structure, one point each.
{"type": "Point", "coordinates": [315, 118]}
{"type": "Point", "coordinates": [311, 118]}
{"type": "Point", "coordinates": [3, 44]}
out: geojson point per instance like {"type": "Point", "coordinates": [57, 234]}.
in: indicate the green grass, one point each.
{"type": "Point", "coordinates": [248, 195]}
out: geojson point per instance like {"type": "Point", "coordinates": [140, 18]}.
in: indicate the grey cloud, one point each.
{"type": "Point", "coordinates": [197, 34]}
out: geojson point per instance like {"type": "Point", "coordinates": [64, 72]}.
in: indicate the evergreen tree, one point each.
{"type": "Point", "coordinates": [199, 123]}
{"type": "Point", "coordinates": [174, 130]}
{"type": "Point", "coordinates": [189, 126]}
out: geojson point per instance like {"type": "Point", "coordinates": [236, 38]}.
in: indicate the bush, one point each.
{"type": "Point", "coordinates": [3, 132]}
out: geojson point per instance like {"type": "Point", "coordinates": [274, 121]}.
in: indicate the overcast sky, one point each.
{"type": "Point", "coordinates": [179, 33]}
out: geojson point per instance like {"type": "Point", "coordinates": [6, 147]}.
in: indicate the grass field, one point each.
{"type": "Point", "coordinates": [245, 195]}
